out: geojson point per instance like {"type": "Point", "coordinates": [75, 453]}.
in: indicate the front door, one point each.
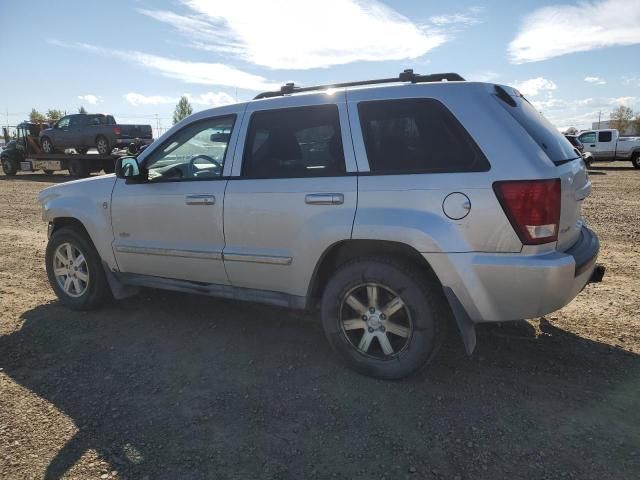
{"type": "Point", "coordinates": [290, 196]}
{"type": "Point", "coordinates": [171, 225]}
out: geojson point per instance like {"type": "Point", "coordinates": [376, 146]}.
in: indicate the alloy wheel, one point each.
{"type": "Point", "coordinates": [375, 320]}
{"type": "Point", "coordinates": [71, 270]}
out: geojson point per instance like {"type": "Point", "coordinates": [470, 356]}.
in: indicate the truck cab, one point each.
{"type": "Point", "coordinates": [606, 145]}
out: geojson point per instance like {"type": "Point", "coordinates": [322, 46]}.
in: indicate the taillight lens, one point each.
{"type": "Point", "coordinates": [116, 130]}
{"type": "Point", "coordinates": [532, 207]}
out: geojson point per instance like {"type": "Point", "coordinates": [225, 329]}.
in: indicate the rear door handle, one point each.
{"type": "Point", "coordinates": [200, 200]}
{"type": "Point", "coordinates": [324, 199]}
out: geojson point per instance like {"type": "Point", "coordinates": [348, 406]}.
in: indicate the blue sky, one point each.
{"type": "Point", "coordinates": [135, 58]}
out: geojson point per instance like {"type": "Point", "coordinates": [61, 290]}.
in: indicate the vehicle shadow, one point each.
{"type": "Point", "coordinates": [175, 386]}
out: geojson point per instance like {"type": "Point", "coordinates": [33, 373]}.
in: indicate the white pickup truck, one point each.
{"type": "Point", "coordinates": [608, 146]}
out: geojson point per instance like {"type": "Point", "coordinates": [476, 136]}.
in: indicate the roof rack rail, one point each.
{"type": "Point", "coordinates": [405, 76]}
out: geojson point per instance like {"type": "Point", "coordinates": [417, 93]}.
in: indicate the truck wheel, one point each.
{"type": "Point", "coordinates": [9, 166]}
{"type": "Point", "coordinates": [78, 168]}
{"type": "Point", "coordinates": [383, 317]}
{"type": "Point", "coordinates": [102, 144]}
{"type": "Point", "coordinates": [47, 145]}
{"type": "Point", "coordinates": [74, 269]}
{"type": "Point", "coordinates": [635, 160]}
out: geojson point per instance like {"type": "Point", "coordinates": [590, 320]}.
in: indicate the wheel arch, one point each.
{"type": "Point", "coordinates": [61, 222]}
{"type": "Point", "coordinates": [342, 252]}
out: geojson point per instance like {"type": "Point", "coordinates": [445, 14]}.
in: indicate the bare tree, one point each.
{"type": "Point", "coordinates": [621, 118]}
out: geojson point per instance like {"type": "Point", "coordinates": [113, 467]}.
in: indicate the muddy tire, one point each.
{"type": "Point", "coordinates": [9, 166]}
{"type": "Point", "coordinates": [635, 160]}
{"type": "Point", "coordinates": [75, 271]}
{"type": "Point", "coordinates": [384, 317]}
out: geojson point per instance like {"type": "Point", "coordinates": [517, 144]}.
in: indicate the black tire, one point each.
{"type": "Point", "coordinates": [81, 151]}
{"type": "Point", "coordinates": [102, 145]}
{"type": "Point", "coordinates": [635, 160]}
{"type": "Point", "coordinates": [9, 166]}
{"type": "Point", "coordinates": [49, 172]}
{"type": "Point", "coordinates": [47, 145]}
{"type": "Point", "coordinates": [96, 289]}
{"type": "Point", "coordinates": [78, 168]}
{"type": "Point", "coordinates": [109, 166]}
{"type": "Point", "coordinates": [422, 315]}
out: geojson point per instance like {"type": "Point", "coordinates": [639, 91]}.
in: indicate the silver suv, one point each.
{"type": "Point", "coordinates": [393, 206]}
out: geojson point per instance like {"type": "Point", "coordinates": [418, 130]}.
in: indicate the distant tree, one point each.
{"type": "Point", "coordinates": [636, 124]}
{"type": "Point", "coordinates": [571, 131]}
{"type": "Point", "coordinates": [81, 109]}
{"type": "Point", "coordinates": [54, 115]}
{"type": "Point", "coordinates": [36, 116]}
{"type": "Point", "coordinates": [621, 118]}
{"type": "Point", "coordinates": [183, 110]}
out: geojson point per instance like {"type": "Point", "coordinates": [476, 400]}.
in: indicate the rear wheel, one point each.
{"type": "Point", "coordinates": [635, 160]}
{"type": "Point", "coordinates": [74, 269]}
{"type": "Point", "coordinates": [102, 145]}
{"type": "Point", "coordinates": [383, 317]}
{"type": "Point", "coordinates": [9, 166]}
{"type": "Point", "coordinates": [47, 145]}
{"type": "Point", "coordinates": [78, 168]}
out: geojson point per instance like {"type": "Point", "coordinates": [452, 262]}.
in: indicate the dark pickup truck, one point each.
{"type": "Point", "coordinates": [83, 131]}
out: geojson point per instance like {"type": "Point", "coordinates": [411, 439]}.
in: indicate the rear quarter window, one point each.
{"type": "Point", "coordinates": [417, 136]}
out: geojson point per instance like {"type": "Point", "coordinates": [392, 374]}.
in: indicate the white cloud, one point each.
{"type": "Point", "coordinates": [307, 35]}
{"type": "Point", "coordinates": [631, 81]}
{"type": "Point", "coordinates": [91, 99]}
{"type": "Point", "coordinates": [468, 18]}
{"type": "Point", "coordinates": [626, 101]}
{"type": "Point", "coordinates": [211, 99]}
{"type": "Point", "coordinates": [200, 73]}
{"type": "Point", "coordinates": [534, 86]}
{"type": "Point", "coordinates": [561, 29]}
{"type": "Point", "coordinates": [487, 76]}
{"type": "Point", "coordinates": [595, 80]}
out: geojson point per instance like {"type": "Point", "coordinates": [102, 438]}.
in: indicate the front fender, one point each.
{"type": "Point", "coordinates": [90, 206]}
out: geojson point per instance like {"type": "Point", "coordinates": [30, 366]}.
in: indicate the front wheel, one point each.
{"type": "Point", "coordinates": [635, 160]}
{"type": "Point", "coordinates": [383, 317]}
{"type": "Point", "coordinates": [9, 166]}
{"type": "Point", "coordinates": [74, 269]}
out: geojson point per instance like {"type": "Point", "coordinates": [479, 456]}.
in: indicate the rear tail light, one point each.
{"type": "Point", "coordinates": [116, 130]}
{"type": "Point", "coordinates": [532, 207]}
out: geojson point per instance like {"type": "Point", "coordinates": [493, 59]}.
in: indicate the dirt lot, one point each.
{"type": "Point", "coordinates": [168, 386]}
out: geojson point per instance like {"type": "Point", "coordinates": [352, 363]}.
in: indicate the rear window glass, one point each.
{"type": "Point", "coordinates": [554, 144]}
{"type": "Point", "coordinates": [604, 136]}
{"type": "Point", "coordinates": [417, 136]}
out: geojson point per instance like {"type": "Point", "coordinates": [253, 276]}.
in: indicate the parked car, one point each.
{"type": "Point", "coordinates": [573, 139]}
{"type": "Point", "coordinates": [607, 146]}
{"type": "Point", "coordinates": [84, 131]}
{"type": "Point", "coordinates": [392, 208]}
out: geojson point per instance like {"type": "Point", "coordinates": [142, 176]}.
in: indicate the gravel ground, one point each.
{"type": "Point", "coordinates": [172, 386]}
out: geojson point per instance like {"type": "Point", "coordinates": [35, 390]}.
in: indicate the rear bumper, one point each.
{"type": "Point", "coordinates": [502, 287]}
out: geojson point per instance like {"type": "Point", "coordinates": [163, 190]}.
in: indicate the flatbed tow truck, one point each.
{"type": "Point", "coordinates": [25, 154]}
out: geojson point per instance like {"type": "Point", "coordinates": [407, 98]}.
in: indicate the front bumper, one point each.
{"type": "Point", "coordinates": [502, 287]}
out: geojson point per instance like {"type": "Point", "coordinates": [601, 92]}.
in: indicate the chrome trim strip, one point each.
{"type": "Point", "coordinates": [246, 257]}
{"type": "Point", "coordinates": [169, 252]}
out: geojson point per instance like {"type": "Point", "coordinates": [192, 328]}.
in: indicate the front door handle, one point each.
{"type": "Point", "coordinates": [324, 199]}
{"type": "Point", "coordinates": [200, 200]}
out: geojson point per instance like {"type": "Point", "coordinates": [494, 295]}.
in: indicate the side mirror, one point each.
{"type": "Point", "coordinates": [128, 169]}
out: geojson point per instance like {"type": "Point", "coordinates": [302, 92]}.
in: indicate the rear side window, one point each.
{"type": "Point", "coordinates": [541, 131]}
{"type": "Point", "coordinates": [604, 136]}
{"type": "Point", "coordinates": [417, 136]}
{"type": "Point", "coordinates": [294, 143]}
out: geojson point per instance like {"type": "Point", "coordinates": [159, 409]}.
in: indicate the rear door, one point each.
{"type": "Point", "coordinates": [292, 194]}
